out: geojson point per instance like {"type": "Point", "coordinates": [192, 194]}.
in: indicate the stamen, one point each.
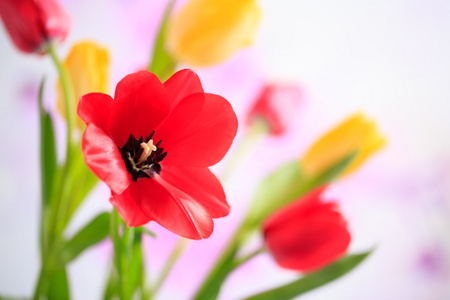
{"type": "Point", "coordinates": [148, 148]}
{"type": "Point", "coordinates": [142, 158]}
{"type": "Point", "coordinates": [161, 157]}
{"type": "Point", "coordinates": [150, 136]}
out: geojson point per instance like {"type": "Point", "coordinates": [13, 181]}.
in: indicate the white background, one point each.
{"type": "Point", "coordinates": [389, 59]}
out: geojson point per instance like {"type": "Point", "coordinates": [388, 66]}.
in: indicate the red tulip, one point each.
{"type": "Point", "coordinates": [276, 104]}
{"type": "Point", "coordinates": [307, 235]}
{"type": "Point", "coordinates": [32, 24]}
{"type": "Point", "coordinates": [153, 144]}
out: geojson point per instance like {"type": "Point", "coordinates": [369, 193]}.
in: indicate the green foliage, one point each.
{"type": "Point", "coordinates": [59, 286]}
{"type": "Point", "coordinates": [287, 184]}
{"type": "Point", "coordinates": [111, 291]}
{"type": "Point", "coordinates": [313, 280]}
{"type": "Point", "coordinates": [135, 267]}
{"type": "Point", "coordinates": [81, 181]}
{"type": "Point", "coordinates": [163, 65]}
{"type": "Point", "coordinates": [48, 165]}
{"type": "Point", "coordinates": [48, 149]}
{"type": "Point", "coordinates": [91, 234]}
{"type": "Point", "coordinates": [278, 189]}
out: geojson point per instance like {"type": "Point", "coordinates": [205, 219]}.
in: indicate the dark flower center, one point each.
{"type": "Point", "coordinates": [142, 159]}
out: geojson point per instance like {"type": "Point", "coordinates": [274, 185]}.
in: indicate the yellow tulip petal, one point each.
{"type": "Point", "coordinates": [356, 134]}
{"type": "Point", "coordinates": [206, 32]}
{"type": "Point", "coordinates": [88, 68]}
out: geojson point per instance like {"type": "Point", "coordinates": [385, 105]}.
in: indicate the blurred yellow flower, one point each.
{"type": "Point", "coordinates": [88, 68]}
{"type": "Point", "coordinates": [357, 135]}
{"type": "Point", "coordinates": [206, 32]}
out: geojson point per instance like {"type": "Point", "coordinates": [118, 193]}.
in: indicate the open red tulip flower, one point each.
{"type": "Point", "coordinates": [308, 234]}
{"type": "Point", "coordinates": [32, 24]}
{"type": "Point", "coordinates": [153, 144]}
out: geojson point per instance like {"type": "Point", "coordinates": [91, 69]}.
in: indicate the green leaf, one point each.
{"type": "Point", "coordinates": [82, 180]}
{"type": "Point", "coordinates": [333, 172]}
{"type": "Point", "coordinates": [59, 286]}
{"type": "Point", "coordinates": [313, 280]}
{"type": "Point", "coordinates": [91, 234]}
{"type": "Point", "coordinates": [286, 185]}
{"type": "Point", "coordinates": [277, 190]}
{"type": "Point", "coordinates": [48, 149]}
{"type": "Point", "coordinates": [48, 166]}
{"type": "Point", "coordinates": [163, 65]}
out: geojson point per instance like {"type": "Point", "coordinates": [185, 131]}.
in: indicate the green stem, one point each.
{"type": "Point", "coordinates": [177, 251]}
{"type": "Point", "coordinates": [114, 233]}
{"type": "Point", "coordinates": [60, 199]}
{"type": "Point", "coordinates": [128, 239]}
{"type": "Point", "coordinates": [257, 131]}
{"type": "Point", "coordinates": [47, 267]}
{"type": "Point", "coordinates": [125, 259]}
{"type": "Point", "coordinates": [44, 201]}
{"type": "Point", "coordinates": [224, 266]}
{"type": "Point", "coordinates": [242, 260]}
{"type": "Point", "coordinates": [55, 207]}
{"type": "Point", "coordinates": [42, 283]}
{"type": "Point", "coordinates": [68, 95]}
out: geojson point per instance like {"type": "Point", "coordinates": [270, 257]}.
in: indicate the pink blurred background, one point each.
{"type": "Point", "coordinates": [389, 59]}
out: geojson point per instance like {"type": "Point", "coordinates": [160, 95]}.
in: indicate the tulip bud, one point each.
{"type": "Point", "coordinates": [33, 24]}
{"type": "Point", "coordinates": [276, 105]}
{"type": "Point", "coordinates": [207, 32]}
{"type": "Point", "coordinates": [357, 135]}
{"type": "Point", "coordinates": [88, 68]}
{"type": "Point", "coordinates": [307, 235]}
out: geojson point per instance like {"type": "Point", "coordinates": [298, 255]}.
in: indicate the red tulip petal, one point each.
{"type": "Point", "coordinates": [316, 244]}
{"type": "Point", "coordinates": [199, 131]}
{"type": "Point", "coordinates": [54, 18]}
{"type": "Point", "coordinates": [182, 84]}
{"type": "Point", "coordinates": [327, 212]}
{"type": "Point", "coordinates": [140, 104]}
{"type": "Point", "coordinates": [201, 185]}
{"type": "Point", "coordinates": [96, 108]}
{"type": "Point", "coordinates": [172, 208]}
{"type": "Point", "coordinates": [299, 210]}
{"type": "Point", "coordinates": [104, 159]}
{"type": "Point", "coordinates": [309, 211]}
{"type": "Point", "coordinates": [128, 210]}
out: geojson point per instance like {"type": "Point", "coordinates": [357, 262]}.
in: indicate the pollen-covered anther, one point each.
{"type": "Point", "coordinates": [148, 149]}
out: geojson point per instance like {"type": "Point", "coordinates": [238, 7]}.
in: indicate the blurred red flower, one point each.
{"type": "Point", "coordinates": [276, 105]}
{"type": "Point", "coordinates": [167, 181]}
{"type": "Point", "coordinates": [308, 234]}
{"type": "Point", "coordinates": [32, 24]}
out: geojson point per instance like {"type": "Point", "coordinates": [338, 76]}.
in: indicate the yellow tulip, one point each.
{"type": "Point", "coordinates": [88, 68]}
{"type": "Point", "coordinates": [207, 32]}
{"type": "Point", "coordinates": [357, 135]}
